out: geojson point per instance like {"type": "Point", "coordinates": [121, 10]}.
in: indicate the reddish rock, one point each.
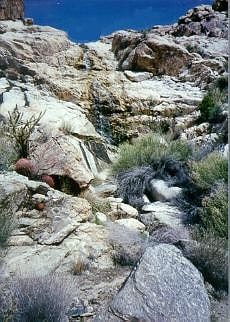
{"type": "Point", "coordinates": [24, 166]}
{"type": "Point", "coordinates": [49, 180]}
{"type": "Point", "coordinates": [40, 206]}
{"type": "Point", "coordinates": [11, 9]}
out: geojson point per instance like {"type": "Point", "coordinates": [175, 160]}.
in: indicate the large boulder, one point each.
{"type": "Point", "coordinates": [151, 54]}
{"type": "Point", "coordinates": [164, 286]}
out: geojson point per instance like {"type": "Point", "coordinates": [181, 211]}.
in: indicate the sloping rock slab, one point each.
{"type": "Point", "coordinates": [164, 287]}
{"type": "Point", "coordinates": [163, 212]}
{"type": "Point", "coordinates": [151, 54]}
{"type": "Point", "coordinates": [61, 156]}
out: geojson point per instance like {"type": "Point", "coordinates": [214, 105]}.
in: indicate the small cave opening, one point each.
{"type": "Point", "coordinates": [66, 185]}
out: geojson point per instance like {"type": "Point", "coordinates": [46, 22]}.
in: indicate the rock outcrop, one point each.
{"type": "Point", "coordinates": [203, 20]}
{"type": "Point", "coordinates": [93, 96]}
{"type": "Point", "coordinates": [151, 53]}
{"type": "Point", "coordinates": [53, 236]}
{"type": "Point", "coordinates": [163, 287]}
{"type": "Point", "coordinates": [11, 9]}
{"type": "Point", "coordinates": [220, 5]}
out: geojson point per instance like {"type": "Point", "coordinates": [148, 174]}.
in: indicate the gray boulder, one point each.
{"type": "Point", "coordinates": [165, 286]}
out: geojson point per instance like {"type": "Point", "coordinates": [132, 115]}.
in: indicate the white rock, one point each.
{"type": "Point", "coordinates": [100, 218]}
{"type": "Point", "coordinates": [137, 76]}
{"type": "Point", "coordinates": [226, 151]}
{"type": "Point", "coordinates": [161, 191]}
{"type": "Point", "coordinates": [128, 210]}
{"type": "Point", "coordinates": [131, 223]}
{"type": "Point", "coordinates": [165, 213]}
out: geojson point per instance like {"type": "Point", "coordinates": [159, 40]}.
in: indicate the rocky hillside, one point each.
{"type": "Point", "coordinates": [65, 107]}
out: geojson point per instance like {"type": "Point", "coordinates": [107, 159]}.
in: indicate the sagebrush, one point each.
{"type": "Point", "coordinates": [39, 298]}
{"type": "Point", "coordinates": [206, 172]}
{"type": "Point", "coordinates": [214, 211]}
{"type": "Point", "coordinates": [20, 130]}
{"type": "Point", "coordinates": [149, 149]}
{"type": "Point", "coordinates": [209, 255]}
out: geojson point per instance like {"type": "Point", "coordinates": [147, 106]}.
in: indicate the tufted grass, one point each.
{"type": "Point", "coordinates": [33, 298]}
{"type": "Point", "coordinates": [148, 149]}
{"type": "Point", "coordinates": [208, 171]}
{"type": "Point", "coordinates": [209, 255]}
{"type": "Point", "coordinates": [214, 212]}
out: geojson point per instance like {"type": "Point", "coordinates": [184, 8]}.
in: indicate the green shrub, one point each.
{"type": "Point", "coordinates": [222, 83]}
{"type": "Point", "coordinates": [150, 148]}
{"type": "Point", "coordinates": [9, 152]}
{"type": "Point", "coordinates": [209, 255]}
{"type": "Point", "coordinates": [210, 106]}
{"type": "Point", "coordinates": [7, 223]}
{"type": "Point", "coordinates": [20, 130]}
{"type": "Point", "coordinates": [214, 212]}
{"type": "Point", "coordinates": [208, 171]}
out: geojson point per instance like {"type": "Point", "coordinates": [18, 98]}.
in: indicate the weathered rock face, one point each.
{"type": "Point", "coordinates": [203, 20]}
{"type": "Point", "coordinates": [59, 231]}
{"type": "Point", "coordinates": [164, 287]}
{"type": "Point", "coordinates": [160, 56]}
{"type": "Point", "coordinates": [220, 5]}
{"type": "Point", "coordinates": [72, 81]}
{"type": "Point", "coordinates": [11, 9]}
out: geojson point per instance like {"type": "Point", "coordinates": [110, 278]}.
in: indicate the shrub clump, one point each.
{"type": "Point", "coordinates": [9, 152]}
{"type": "Point", "coordinates": [209, 255]}
{"type": "Point", "coordinates": [20, 130]}
{"type": "Point", "coordinates": [214, 211]}
{"type": "Point", "coordinates": [211, 105]}
{"type": "Point", "coordinates": [39, 298]}
{"type": "Point", "coordinates": [150, 149]}
{"type": "Point", "coordinates": [7, 223]}
{"type": "Point", "coordinates": [98, 204]}
{"type": "Point", "coordinates": [206, 172]}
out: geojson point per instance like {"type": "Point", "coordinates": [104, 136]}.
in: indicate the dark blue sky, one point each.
{"type": "Point", "coordinates": [87, 20]}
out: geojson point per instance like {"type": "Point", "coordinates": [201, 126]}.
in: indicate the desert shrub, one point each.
{"type": "Point", "coordinates": [208, 108]}
{"type": "Point", "coordinates": [194, 48]}
{"type": "Point", "coordinates": [148, 149]}
{"type": "Point", "coordinates": [98, 204]}
{"type": "Point", "coordinates": [132, 184]}
{"type": "Point", "coordinates": [214, 211]}
{"type": "Point", "coordinates": [206, 172]}
{"type": "Point", "coordinates": [9, 152]}
{"type": "Point", "coordinates": [79, 265]}
{"type": "Point", "coordinates": [20, 130]}
{"type": "Point", "coordinates": [7, 223]}
{"type": "Point", "coordinates": [164, 234]}
{"type": "Point", "coordinates": [222, 83]}
{"type": "Point", "coordinates": [41, 298]}
{"type": "Point", "coordinates": [209, 255]}
{"type": "Point", "coordinates": [211, 105]}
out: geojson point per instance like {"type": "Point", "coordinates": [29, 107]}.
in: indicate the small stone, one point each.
{"type": "Point", "coordinates": [37, 197]}
{"type": "Point", "coordinates": [131, 223]}
{"type": "Point", "coordinates": [100, 218]}
{"type": "Point", "coordinates": [128, 210]}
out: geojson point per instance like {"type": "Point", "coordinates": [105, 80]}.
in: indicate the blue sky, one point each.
{"type": "Point", "coordinates": [87, 20]}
